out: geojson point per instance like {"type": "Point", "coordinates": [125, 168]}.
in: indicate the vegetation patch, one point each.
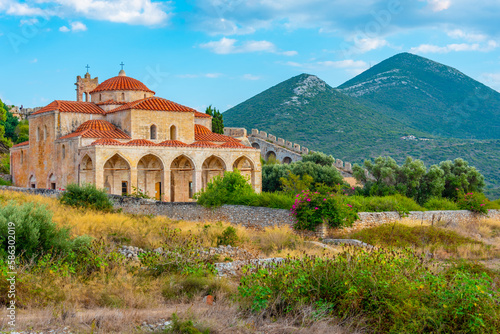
{"type": "Point", "coordinates": [87, 197]}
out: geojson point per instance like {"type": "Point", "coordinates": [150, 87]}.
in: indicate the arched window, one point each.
{"type": "Point", "coordinates": [63, 152]}
{"type": "Point", "coordinates": [86, 97]}
{"type": "Point", "coordinates": [37, 134]}
{"type": "Point", "coordinates": [100, 97]}
{"type": "Point", "coordinates": [173, 133]}
{"type": "Point", "coordinates": [45, 133]}
{"type": "Point", "coordinates": [152, 132]}
{"type": "Point", "coordinates": [144, 95]}
{"type": "Point", "coordinates": [123, 96]}
{"type": "Point", "coordinates": [22, 156]}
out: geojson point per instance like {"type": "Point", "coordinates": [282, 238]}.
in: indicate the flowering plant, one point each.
{"type": "Point", "coordinates": [312, 208]}
{"type": "Point", "coordinates": [474, 202]}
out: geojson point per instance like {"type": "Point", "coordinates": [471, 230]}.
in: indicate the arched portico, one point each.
{"type": "Point", "coordinates": [150, 179]}
{"type": "Point", "coordinates": [212, 167]}
{"type": "Point", "coordinates": [86, 171]}
{"type": "Point", "coordinates": [181, 179]}
{"type": "Point", "coordinates": [117, 175]}
{"type": "Point", "coordinates": [246, 168]}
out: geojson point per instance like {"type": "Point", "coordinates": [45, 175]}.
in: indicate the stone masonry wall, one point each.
{"type": "Point", "coordinates": [256, 217]}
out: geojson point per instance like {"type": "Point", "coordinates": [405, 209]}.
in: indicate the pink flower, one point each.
{"type": "Point", "coordinates": [315, 208]}
{"type": "Point", "coordinates": [324, 199]}
{"type": "Point", "coordinates": [297, 195]}
{"type": "Point", "coordinates": [352, 188]}
{"type": "Point", "coordinates": [308, 199]}
{"type": "Point", "coordinates": [349, 205]}
{"type": "Point", "coordinates": [482, 204]}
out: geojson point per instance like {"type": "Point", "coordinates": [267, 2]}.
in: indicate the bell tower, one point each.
{"type": "Point", "coordinates": [85, 85]}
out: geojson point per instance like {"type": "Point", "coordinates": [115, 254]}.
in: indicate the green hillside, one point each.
{"type": "Point", "coordinates": [306, 110]}
{"type": "Point", "coordinates": [429, 96]}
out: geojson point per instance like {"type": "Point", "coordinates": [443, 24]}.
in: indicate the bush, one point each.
{"type": "Point", "coordinates": [228, 237]}
{"type": "Point", "coordinates": [440, 203]}
{"type": "Point", "coordinates": [35, 233]}
{"type": "Point", "coordinates": [87, 197]}
{"type": "Point", "coordinates": [395, 291]}
{"type": "Point", "coordinates": [4, 182]}
{"type": "Point", "coordinates": [185, 327]}
{"type": "Point", "coordinates": [222, 190]}
{"type": "Point", "coordinates": [493, 205]}
{"type": "Point", "coordinates": [475, 202]}
{"type": "Point", "coordinates": [314, 208]}
{"type": "Point", "coordinates": [396, 202]}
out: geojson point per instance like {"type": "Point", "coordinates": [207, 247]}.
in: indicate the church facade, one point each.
{"type": "Point", "coordinates": [120, 137]}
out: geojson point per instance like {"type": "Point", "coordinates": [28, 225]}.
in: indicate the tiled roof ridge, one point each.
{"type": "Point", "coordinates": [121, 83]}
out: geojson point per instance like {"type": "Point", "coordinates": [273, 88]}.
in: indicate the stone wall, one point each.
{"type": "Point", "coordinates": [257, 217]}
{"type": "Point", "coordinates": [6, 177]}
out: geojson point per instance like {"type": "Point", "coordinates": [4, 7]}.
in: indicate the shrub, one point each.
{"type": "Point", "coordinates": [475, 202]}
{"type": "Point", "coordinates": [313, 208]}
{"type": "Point", "coordinates": [228, 237]}
{"type": "Point", "coordinates": [493, 205]}
{"type": "Point", "coordinates": [396, 202]}
{"type": "Point", "coordinates": [87, 197]}
{"type": "Point", "coordinates": [222, 190]}
{"type": "Point", "coordinates": [35, 233]}
{"type": "Point", "coordinates": [185, 327]}
{"type": "Point", "coordinates": [395, 291]}
{"type": "Point", "coordinates": [440, 203]}
{"type": "Point", "coordinates": [4, 182]}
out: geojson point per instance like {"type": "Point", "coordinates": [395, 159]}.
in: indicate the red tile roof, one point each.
{"type": "Point", "coordinates": [139, 142]}
{"type": "Point", "coordinates": [154, 103]}
{"type": "Point", "coordinates": [97, 129]}
{"type": "Point", "coordinates": [121, 83]}
{"type": "Point", "coordinates": [106, 141]}
{"type": "Point", "coordinates": [202, 133]}
{"type": "Point", "coordinates": [24, 143]}
{"type": "Point", "coordinates": [206, 144]}
{"type": "Point", "coordinates": [172, 143]}
{"type": "Point", "coordinates": [234, 145]}
{"type": "Point", "coordinates": [71, 106]}
{"type": "Point", "coordinates": [201, 115]}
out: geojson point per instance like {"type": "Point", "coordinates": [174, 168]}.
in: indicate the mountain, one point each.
{"type": "Point", "coordinates": [428, 96]}
{"type": "Point", "coordinates": [367, 116]}
{"type": "Point", "coordinates": [308, 111]}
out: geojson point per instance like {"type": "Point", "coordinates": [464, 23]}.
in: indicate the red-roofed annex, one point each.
{"type": "Point", "coordinates": [119, 136]}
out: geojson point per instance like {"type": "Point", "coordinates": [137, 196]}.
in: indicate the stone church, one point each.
{"type": "Point", "coordinates": [120, 137]}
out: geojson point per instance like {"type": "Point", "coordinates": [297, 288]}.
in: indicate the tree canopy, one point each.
{"type": "Point", "coordinates": [217, 121]}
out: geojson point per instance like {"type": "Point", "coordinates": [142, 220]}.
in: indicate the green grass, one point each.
{"type": "Point", "coordinates": [439, 203]}
{"type": "Point", "coordinates": [384, 203]}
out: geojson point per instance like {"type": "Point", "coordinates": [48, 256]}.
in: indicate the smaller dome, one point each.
{"type": "Point", "coordinates": [99, 125]}
{"type": "Point", "coordinates": [122, 74]}
{"type": "Point", "coordinates": [121, 82]}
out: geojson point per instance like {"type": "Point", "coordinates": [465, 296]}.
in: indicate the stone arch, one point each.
{"type": "Point", "coordinates": [150, 176]}
{"type": "Point", "coordinates": [211, 167]}
{"type": "Point", "coordinates": [173, 132]}
{"type": "Point", "coordinates": [153, 132]}
{"type": "Point", "coordinates": [287, 160]}
{"type": "Point", "coordinates": [271, 155]}
{"type": "Point", "coordinates": [52, 181]}
{"type": "Point", "coordinates": [247, 168]}
{"type": "Point", "coordinates": [117, 175]}
{"type": "Point", "coordinates": [182, 171]}
{"type": "Point", "coordinates": [86, 96]}
{"type": "Point", "coordinates": [86, 170]}
{"type": "Point", "coordinates": [256, 145]}
{"type": "Point", "coordinates": [32, 181]}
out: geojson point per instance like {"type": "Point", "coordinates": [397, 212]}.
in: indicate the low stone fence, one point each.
{"type": "Point", "coordinates": [6, 177]}
{"type": "Point", "coordinates": [256, 217]}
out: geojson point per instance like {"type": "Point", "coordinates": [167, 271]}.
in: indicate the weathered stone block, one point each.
{"type": "Point", "coordinates": [263, 135]}
{"type": "Point", "coordinates": [296, 147]}
{"type": "Point", "coordinates": [304, 150]}
{"type": "Point", "coordinates": [281, 141]}
{"type": "Point", "coordinates": [255, 132]}
{"type": "Point", "coordinates": [289, 144]}
{"type": "Point", "coordinates": [272, 138]}
{"type": "Point", "coordinates": [348, 167]}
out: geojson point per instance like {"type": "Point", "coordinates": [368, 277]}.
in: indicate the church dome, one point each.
{"type": "Point", "coordinates": [99, 125]}
{"type": "Point", "coordinates": [122, 82]}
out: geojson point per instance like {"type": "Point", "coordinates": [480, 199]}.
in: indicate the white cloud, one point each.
{"type": "Point", "coordinates": [29, 22]}
{"type": "Point", "coordinates": [74, 27]}
{"type": "Point", "coordinates": [251, 77]}
{"type": "Point", "coordinates": [429, 48]}
{"type": "Point", "coordinates": [229, 46]}
{"type": "Point", "coordinates": [468, 36]}
{"type": "Point", "coordinates": [439, 5]}
{"type": "Point", "coordinates": [136, 12]}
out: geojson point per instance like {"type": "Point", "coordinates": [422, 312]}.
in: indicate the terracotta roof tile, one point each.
{"type": "Point", "coordinates": [71, 106]}
{"type": "Point", "coordinates": [234, 145]}
{"type": "Point", "coordinates": [97, 129]}
{"type": "Point", "coordinates": [140, 142]}
{"type": "Point", "coordinates": [121, 83]}
{"type": "Point", "coordinates": [24, 143]}
{"type": "Point", "coordinates": [107, 142]}
{"type": "Point", "coordinates": [203, 144]}
{"type": "Point", "coordinates": [172, 143]}
{"type": "Point", "coordinates": [154, 103]}
{"type": "Point", "coordinates": [201, 115]}
{"type": "Point", "coordinates": [202, 133]}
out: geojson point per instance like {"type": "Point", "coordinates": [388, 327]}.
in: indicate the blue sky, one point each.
{"type": "Point", "coordinates": [222, 52]}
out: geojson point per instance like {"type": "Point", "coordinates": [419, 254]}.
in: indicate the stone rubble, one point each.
{"type": "Point", "coordinates": [160, 325]}
{"type": "Point", "coordinates": [225, 269]}
{"type": "Point", "coordinates": [65, 330]}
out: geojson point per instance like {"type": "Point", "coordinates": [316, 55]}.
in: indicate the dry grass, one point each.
{"type": "Point", "coordinates": [222, 317]}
